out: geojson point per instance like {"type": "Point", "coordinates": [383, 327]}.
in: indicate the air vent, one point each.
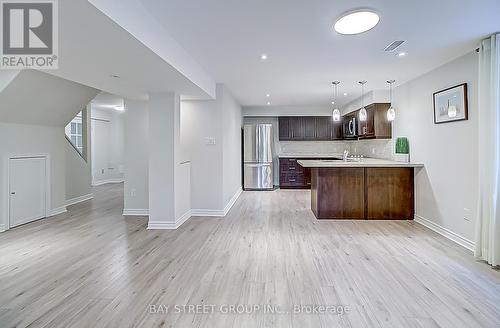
{"type": "Point", "coordinates": [394, 45]}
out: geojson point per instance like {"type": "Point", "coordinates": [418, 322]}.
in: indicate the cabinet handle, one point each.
{"type": "Point", "coordinates": [291, 168]}
{"type": "Point", "coordinates": [292, 180]}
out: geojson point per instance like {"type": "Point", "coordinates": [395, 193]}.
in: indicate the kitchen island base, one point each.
{"type": "Point", "coordinates": [363, 193]}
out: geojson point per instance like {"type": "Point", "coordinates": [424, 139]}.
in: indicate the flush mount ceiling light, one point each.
{"type": "Point", "coordinates": [356, 22]}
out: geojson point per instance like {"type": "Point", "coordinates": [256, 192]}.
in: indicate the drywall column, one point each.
{"type": "Point", "coordinates": [169, 191]}
{"type": "Point", "coordinates": [136, 123]}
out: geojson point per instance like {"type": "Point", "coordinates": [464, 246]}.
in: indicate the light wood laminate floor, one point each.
{"type": "Point", "coordinates": [92, 267]}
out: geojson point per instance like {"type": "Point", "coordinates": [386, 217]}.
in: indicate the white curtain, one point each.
{"type": "Point", "coordinates": [488, 220]}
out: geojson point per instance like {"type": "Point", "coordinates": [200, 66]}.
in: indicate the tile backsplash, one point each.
{"type": "Point", "coordinates": [373, 148]}
{"type": "Point", "coordinates": [368, 148]}
{"type": "Point", "coordinates": [311, 147]}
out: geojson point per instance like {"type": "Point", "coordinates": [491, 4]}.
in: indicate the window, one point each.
{"type": "Point", "coordinates": [74, 132]}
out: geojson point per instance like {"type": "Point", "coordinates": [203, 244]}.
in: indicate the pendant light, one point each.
{"type": "Point", "coordinates": [363, 115]}
{"type": "Point", "coordinates": [391, 113]}
{"type": "Point", "coordinates": [336, 111]}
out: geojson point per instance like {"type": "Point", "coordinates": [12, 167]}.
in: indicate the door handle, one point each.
{"type": "Point", "coordinates": [13, 193]}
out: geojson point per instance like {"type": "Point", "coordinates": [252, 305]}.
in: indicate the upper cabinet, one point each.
{"type": "Point", "coordinates": [376, 125]}
{"type": "Point", "coordinates": [303, 128]}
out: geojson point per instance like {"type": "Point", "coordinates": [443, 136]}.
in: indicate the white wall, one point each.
{"type": "Point", "coordinates": [448, 183]}
{"type": "Point", "coordinates": [201, 120]}
{"type": "Point", "coordinates": [231, 144]}
{"type": "Point", "coordinates": [263, 111]}
{"type": "Point", "coordinates": [17, 139]}
{"type": "Point", "coordinates": [78, 175]}
{"type": "Point", "coordinates": [371, 97]}
{"type": "Point", "coordinates": [136, 157]}
{"type": "Point", "coordinates": [108, 145]}
{"type": "Point", "coordinates": [215, 168]}
{"type": "Point", "coordinates": [78, 170]}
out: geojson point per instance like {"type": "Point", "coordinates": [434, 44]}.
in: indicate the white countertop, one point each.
{"type": "Point", "coordinates": [365, 162]}
{"type": "Point", "coordinates": [330, 155]}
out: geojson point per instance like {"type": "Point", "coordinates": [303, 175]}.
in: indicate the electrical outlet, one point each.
{"type": "Point", "coordinates": [467, 214]}
{"type": "Point", "coordinates": [133, 192]}
{"type": "Point", "coordinates": [102, 171]}
{"type": "Point", "coordinates": [373, 150]}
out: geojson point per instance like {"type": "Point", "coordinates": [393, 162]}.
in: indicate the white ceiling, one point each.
{"type": "Point", "coordinates": [107, 101]}
{"type": "Point", "coordinates": [38, 98]}
{"type": "Point", "coordinates": [227, 38]}
{"type": "Point", "coordinates": [92, 48]}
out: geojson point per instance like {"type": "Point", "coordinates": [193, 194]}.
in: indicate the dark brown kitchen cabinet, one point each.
{"type": "Point", "coordinates": [324, 126]}
{"type": "Point", "coordinates": [300, 128]}
{"type": "Point", "coordinates": [297, 128]}
{"type": "Point", "coordinates": [285, 132]}
{"type": "Point", "coordinates": [376, 125]}
{"type": "Point", "coordinates": [309, 123]}
{"type": "Point", "coordinates": [337, 130]}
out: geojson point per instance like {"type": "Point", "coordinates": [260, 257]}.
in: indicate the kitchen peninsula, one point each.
{"type": "Point", "coordinates": [367, 189]}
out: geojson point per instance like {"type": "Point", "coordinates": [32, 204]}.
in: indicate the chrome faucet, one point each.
{"type": "Point", "coordinates": [345, 156]}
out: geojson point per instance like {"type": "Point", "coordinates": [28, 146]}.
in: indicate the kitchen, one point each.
{"type": "Point", "coordinates": [343, 185]}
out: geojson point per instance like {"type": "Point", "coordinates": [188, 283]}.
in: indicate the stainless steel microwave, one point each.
{"type": "Point", "coordinates": [350, 127]}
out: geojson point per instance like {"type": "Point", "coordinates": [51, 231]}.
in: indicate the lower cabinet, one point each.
{"type": "Point", "coordinates": [363, 193]}
{"type": "Point", "coordinates": [293, 175]}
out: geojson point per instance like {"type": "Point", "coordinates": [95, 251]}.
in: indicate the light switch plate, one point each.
{"type": "Point", "coordinates": [209, 141]}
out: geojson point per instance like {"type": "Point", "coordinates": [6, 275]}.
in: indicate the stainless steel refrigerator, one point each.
{"type": "Point", "coordinates": [258, 157]}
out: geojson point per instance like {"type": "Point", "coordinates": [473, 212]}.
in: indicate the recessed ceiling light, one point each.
{"type": "Point", "coordinates": [268, 95]}
{"type": "Point", "coordinates": [345, 94]}
{"type": "Point", "coordinates": [263, 56]}
{"type": "Point", "coordinates": [268, 103]}
{"type": "Point", "coordinates": [402, 54]}
{"type": "Point", "coordinates": [356, 22]}
{"type": "Point", "coordinates": [333, 102]}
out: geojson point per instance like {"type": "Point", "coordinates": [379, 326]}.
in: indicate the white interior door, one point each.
{"type": "Point", "coordinates": [27, 190]}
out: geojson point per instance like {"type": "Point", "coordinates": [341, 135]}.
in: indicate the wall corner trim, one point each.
{"type": "Point", "coordinates": [464, 242]}
{"type": "Point", "coordinates": [160, 225]}
{"type": "Point", "coordinates": [79, 199]}
{"type": "Point", "coordinates": [56, 211]}
{"type": "Point", "coordinates": [135, 212]}
{"type": "Point", "coordinates": [233, 200]}
{"type": "Point", "coordinates": [218, 213]}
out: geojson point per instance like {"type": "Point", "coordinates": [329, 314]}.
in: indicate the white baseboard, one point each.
{"type": "Point", "coordinates": [80, 199]}
{"type": "Point", "coordinates": [464, 242]}
{"type": "Point", "coordinates": [157, 225]}
{"type": "Point", "coordinates": [56, 211]}
{"type": "Point", "coordinates": [135, 212]}
{"type": "Point", "coordinates": [201, 212]}
{"type": "Point", "coordinates": [233, 200]}
{"type": "Point", "coordinates": [3, 228]}
{"type": "Point", "coordinates": [218, 213]}
{"type": "Point", "coordinates": [103, 182]}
